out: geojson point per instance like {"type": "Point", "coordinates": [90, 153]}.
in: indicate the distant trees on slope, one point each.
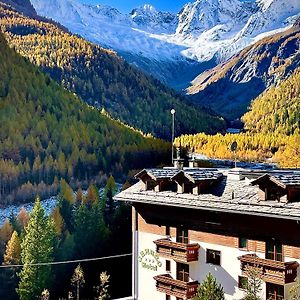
{"type": "Point", "coordinates": [272, 129]}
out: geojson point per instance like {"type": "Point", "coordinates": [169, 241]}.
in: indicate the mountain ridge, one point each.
{"type": "Point", "coordinates": [230, 87]}
{"type": "Point", "coordinates": [103, 79]}
{"type": "Point", "coordinates": [203, 31]}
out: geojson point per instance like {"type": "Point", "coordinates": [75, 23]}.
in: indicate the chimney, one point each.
{"type": "Point", "coordinates": [178, 162]}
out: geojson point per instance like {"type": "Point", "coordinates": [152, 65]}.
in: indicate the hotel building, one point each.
{"type": "Point", "coordinates": [189, 222]}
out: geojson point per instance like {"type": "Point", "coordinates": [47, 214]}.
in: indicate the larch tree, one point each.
{"type": "Point", "coordinates": [23, 218]}
{"type": "Point", "coordinates": [58, 221]}
{"type": "Point", "coordinates": [102, 289]}
{"type": "Point", "coordinates": [37, 247]}
{"type": "Point", "coordinates": [6, 231]}
{"type": "Point", "coordinates": [12, 255]}
{"type": "Point", "coordinates": [254, 285]}
{"type": "Point", "coordinates": [78, 280]}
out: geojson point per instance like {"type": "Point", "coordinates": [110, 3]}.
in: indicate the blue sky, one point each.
{"type": "Point", "coordinates": [128, 5]}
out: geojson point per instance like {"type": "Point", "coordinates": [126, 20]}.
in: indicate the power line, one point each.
{"type": "Point", "coordinates": [65, 261]}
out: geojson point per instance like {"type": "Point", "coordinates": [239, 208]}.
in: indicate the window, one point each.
{"type": "Point", "coordinates": [275, 292]}
{"type": "Point", "coordinates": [168, 265]}
{"type": "Point", "coordinates": [150, 185]}
{"type": "Point", "coordinates": [213, 257]}
{"type": "Point", "coordinates": [167, 230]}
{"type": "Point", "coordinates": [274, 250]}
{"type": "Point", "coordinates": [182, 272]}
{"type": "Point", "coordinates": [243, 243]}
{"type": "Point", "coordinates": [188, 188]}
{"type": "Point", "coordinates": [243, 282]}
{"type": "Point", "coordinates": [182, 235]}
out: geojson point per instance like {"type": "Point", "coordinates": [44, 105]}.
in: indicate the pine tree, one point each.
{"type": "Point", "coordinates": [12, 255]}
{"type": "Point", "coordinates": [37, 247]}
{"type": "Point", "coordinates": [110, 190]}
{"type": "Point", "coordinates": [210, 289]}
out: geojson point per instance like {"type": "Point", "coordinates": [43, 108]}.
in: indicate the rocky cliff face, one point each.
{"type": "Point", "coordinates": [23, 6]}
{"type": "Point", "coordinates": [230, 87]}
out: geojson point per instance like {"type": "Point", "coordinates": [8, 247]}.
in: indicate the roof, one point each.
{"type": "Point", "coordinates": [156, 174]}
{"type": "Point", "coordinates": [195, 174]}
{"type": "Point", "coordinates": [199, 174]}
{"type": "Point", "coordinates": [284, 180]}
{"type": "Point", "coordinates": [229, 195]}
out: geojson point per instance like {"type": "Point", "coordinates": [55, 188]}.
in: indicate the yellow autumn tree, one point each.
{"type": "Point", "coordinates": [12, 255]}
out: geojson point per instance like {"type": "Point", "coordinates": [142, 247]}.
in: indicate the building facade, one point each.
{"type": "Point", "coordinates": [187, 223]}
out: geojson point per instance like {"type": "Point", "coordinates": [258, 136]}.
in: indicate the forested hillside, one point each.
{"type": "Point", "coordinates": [272, 129]}
{"type": "Point", "coordinates": [103, 79]}
{"type": "Point", "coordinates": [277, 110]}
{"type": "Point", "coordinates": [47, 133]}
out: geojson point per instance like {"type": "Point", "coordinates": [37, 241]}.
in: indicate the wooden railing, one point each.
{"type": "Point", "coordinates": [178, 251]}
{"type": "Point", "coordinates": [272, 271]}
{"type": "Point", "coordinates": [177, 288]}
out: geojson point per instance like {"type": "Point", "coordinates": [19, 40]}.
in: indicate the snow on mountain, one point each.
{"type": "Point", "coordinates": [202, 15]}
{"type": "Point", "coordinates": [148, 18]}
{"type": "Point", "coordinates": [203, 31]}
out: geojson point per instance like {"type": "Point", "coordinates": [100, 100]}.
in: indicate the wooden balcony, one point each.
{"type": "Point", "coordinates": [172, 287]}
{"type": "Point", "coordinates": [272, 271]}
{"type": "Point", "coordinates": [178, 251]}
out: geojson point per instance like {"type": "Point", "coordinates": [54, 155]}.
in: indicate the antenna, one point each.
{"type": "Point", "coordinates": [233, 149]}
{"type": "Point", "coordinates": [173, 129]}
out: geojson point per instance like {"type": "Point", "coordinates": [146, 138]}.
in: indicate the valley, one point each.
{"type": "Point", "coordinates": [98, 103]}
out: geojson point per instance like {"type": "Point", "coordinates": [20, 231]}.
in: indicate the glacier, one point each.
{"type": "Point", "coordinates": [202, 34]}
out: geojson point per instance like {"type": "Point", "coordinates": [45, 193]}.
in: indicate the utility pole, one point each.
{"type": "Point", "coordinates": [173, 133]}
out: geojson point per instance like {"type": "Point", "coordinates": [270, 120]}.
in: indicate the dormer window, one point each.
{"type": "Point", "coordinates": [150, 185]}
{"type": "Point", "coordinates": [195, 181]}
{"type": "Point", "coordinates": [284, 188]}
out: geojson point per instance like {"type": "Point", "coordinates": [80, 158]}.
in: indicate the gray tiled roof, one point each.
{"type": "Point", "coordinates": [287, 179]}
{"type": "Point", "coordinates": [198, 175]}
{"type": "Point", "coordinates": [227, 195]}
{"type": "Point", "coordinates": [165, 173]}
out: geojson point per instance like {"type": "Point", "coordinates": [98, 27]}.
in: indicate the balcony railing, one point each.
{"type": "Point", "coordinates": [272, 271]}
{"type": "Point", "coordinates": [178, 251]}
{"type": "Point", "coordinates": [177, 288]}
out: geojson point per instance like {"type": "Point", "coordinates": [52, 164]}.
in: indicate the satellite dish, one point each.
{"type": "Point", "coordinates": [233, 146]}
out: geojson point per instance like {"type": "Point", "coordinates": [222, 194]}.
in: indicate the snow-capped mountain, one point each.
{"type": "Point", "coordinates": [202, 34]}
{"type": "Point", "coordinates": [150, 19]}
{"type": "Point", "coordinates": [229, 87]}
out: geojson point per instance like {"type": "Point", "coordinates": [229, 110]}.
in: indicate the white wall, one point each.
{"type": "Point", "coordinates": [146, 283]}
{"type": "Point", "coordinates": [227, 273]}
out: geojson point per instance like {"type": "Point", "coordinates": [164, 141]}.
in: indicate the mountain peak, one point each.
{"type": "Point", "coordinates": [148, 7]}
{"type": "Point", "coordinates": [147, 16]}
